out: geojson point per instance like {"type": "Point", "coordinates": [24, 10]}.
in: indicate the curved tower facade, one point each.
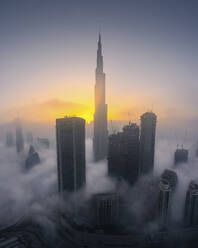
{"type": "Point", "coordinates": [100, 138]}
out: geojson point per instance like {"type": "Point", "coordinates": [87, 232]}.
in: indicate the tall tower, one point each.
{"type": "Point", "coordinates": [9, 139]}
{"type": "Point", "coordinates": [167, 186]}
{"type": "Point", "coordinates": [123, 154]}
{"type": "Point", "coordinates": [100, 138]}
{"type": "Point", "coordinates": [147, 142]}
{"type": "Point", "coordinates": [164, 203]}
{"type": "Point", "coordinates": [19, 137]}
{"type": "Point", "coordinates": [70, 139]}
{"type": "Point", "coordinates": [191, 205]}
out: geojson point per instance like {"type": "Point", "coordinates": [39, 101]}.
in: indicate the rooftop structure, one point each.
{"type": "Point", "coordinates": [181, 156]}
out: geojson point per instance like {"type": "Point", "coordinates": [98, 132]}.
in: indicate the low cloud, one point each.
{"type": "Point", "coordinates": [45, 111]}
{"type": "Point", "coordinates": [35, 193]}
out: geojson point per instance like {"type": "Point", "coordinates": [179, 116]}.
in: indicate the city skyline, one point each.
{"type": "Point", "coordinates": [104, 160]}
{"type": "Point", "coordinates": [141, 61]}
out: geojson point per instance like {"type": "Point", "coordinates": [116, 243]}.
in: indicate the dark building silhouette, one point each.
{"type": "Point", "coordinates": [191, 205]}
{"type": "Point", "coordinates": [70, 138]}
{"type": "Point", "coordinates": [100, 138]}
{"type": "Point", "coordinates": [105, 210]}
{"type": "Point", "coordinates": [19, 137]}
{"type": "Point", "coordinates": [167, 186]}
{"type": "Point", "coordinates": [123, 154]}
{"type": "Point", "coordinates": [43, 142]}
{"type": "Point", "coordinates": [147, 142]}
{"type": "Point", "coordinates": [32, 159]}
{"type": "Point", "coordinates": [9, 139]}
{"type": "Point", "coordinates": [115, 159]}
{"type": "Point", "coordinates": [181, 156]}
{"type": "Point", "coordinates": [31, 150]}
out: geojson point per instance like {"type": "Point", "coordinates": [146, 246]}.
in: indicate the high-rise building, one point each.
{"type": "Point", "coordinates": [100, 138]}
{"type": "Point", "coordinates": [105, 210]}
{"type": "Point", "coordinates": [167, 187]}
{"type": "Point", "coordinates": [164, 202]}
{"type": "Point", "coordinates": [32, 159]}
{"type": "Point", "coordinates": [9, 139]}
{"type": "Point", "coordinates": [123, 154]}
{"type": "Point", "coordinates": [181, 156]}
{"type": "Point", "coordinates": [19, 137]}
{"type": "Point", "coordinates": [70, 138]}
{"type": "Point", "coordinates": [147, 142]}
{"type": "Point", "coordinates": [191, 205]}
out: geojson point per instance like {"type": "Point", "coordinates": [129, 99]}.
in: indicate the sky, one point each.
{"type": "Point", "coordinates": [48, 58]}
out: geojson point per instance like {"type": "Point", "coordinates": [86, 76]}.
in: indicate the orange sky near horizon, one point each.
{"type": "Point", "coordinates": [49, 59]}
{"type": "Point", "coordinates": [77, 99]}
{"type": "Point", "coordinates": [51, 109]}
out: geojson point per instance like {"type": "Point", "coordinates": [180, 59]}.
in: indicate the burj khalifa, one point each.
{"type": "Point", "coordinates": [100, 138]}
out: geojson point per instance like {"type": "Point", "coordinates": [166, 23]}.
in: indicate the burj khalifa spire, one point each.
{"type": "Point", "coordinates": [100, 138]}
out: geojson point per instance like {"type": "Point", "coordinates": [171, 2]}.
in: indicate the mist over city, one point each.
{"type": "Point", "coordinates": [98, 126]}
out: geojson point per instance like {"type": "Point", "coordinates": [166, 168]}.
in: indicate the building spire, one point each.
{"type": "Point", "coordinates": [99, 40]}
{"type": "Point", "coordinates": [99, 56]}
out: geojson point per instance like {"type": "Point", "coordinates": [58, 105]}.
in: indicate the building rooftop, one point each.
{"type": "Point", "coordinates": [130, 126]}
{"type": "Point", "coordinates": [181, 150]}
{"type": "Point", "coordinates": [164, 185]}
{"type": "Point", "coordinates": [69, 118]}
{"type": "Point", "coordinates": [170, 176]}
{"type": "Point", "coordinates": [193, 186]}
{"type": "Point", "coordinates": [149, 114]}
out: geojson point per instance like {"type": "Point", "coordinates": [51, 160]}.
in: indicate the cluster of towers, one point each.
{"type": "Point", "coordinates": [32, 158]}
{"type": "Point", "coordinates": [130, 153]}
{"type": "Point", "coordinates": [167, 187]}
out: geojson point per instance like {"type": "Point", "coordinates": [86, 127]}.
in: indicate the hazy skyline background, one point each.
{"type": "Point", "coordinates": [48, 58]}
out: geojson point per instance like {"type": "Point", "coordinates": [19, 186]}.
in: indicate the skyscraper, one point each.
{"type": "Point", "coordinates": [70, 138]}
{"type": "Point", "coordinates": [191, 205]}
{"type": "Point", "coordinates": [32, 158]}
{"type": "Point", "coordinates": [123, 154]}
{"type": "Point", "coordinates": [181, 156]}
{"type": "Point", "coordinates": [147, 142]}
{"type": "Point", "coordinates": [19, 137]}
{"type": "Point", "coordinates": [167, 187]}
{"type": "Point", "coordinates": [164, 202]}
{"type": "Point", "coordinates": [100, 138]}
{"type": "Point", "coordinates": [9, 139]}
